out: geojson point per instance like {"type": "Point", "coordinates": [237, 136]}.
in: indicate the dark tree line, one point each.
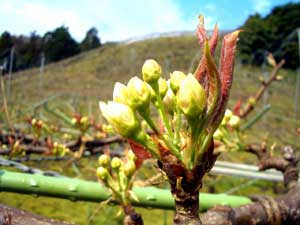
{"type": "Point", "coordinates": [55, 45]}
{"type": "Point", "coordinates": [275, 33]}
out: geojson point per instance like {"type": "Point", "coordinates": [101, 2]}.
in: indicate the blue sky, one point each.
{"type": "Point", "coordinates": [122, 19]}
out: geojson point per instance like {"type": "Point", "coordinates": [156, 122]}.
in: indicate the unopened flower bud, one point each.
{"type": "Point", "coordinates": [104, 160]}
{"type": "Point", "coordinates": [151, 71]}
{"type": "Point", "coordinates": [33, 121]}
{"type": "Point", "coordinates": [129, 168]}
{"type": "Point", "coordinates": [120, 93]}
{"type": "Point", "coordinates": [191, 97]}
{"type": "Point", "coordinates": [131, 155]}
{"type": "Point", "coordinates": [84, 120]}
{"type": "Point", "coordinates": [116, 163]}
{"type": "Point", "coordinates": [138, 94]}
{"type": "Point", "coordinates": [228, 114]}
{"type": "Point", "coordinates": [102, 173]}
{"type": "Point", "coordinates": [121, 117]}
{"type": "Point", "coordinates": [218, 134]}
{"type": "Point", "coordinates": [169, 101]}
{"type": "Point", "coordinates": [176, 78]}
{"type": "Point", "coordinates": [234, 122]}
{"type": "Point", "coordinates": [251, 101]}
{"type": "Point", "coordinates": [74, 121]}
{"type": "Point", "coordinates": [163, 87]}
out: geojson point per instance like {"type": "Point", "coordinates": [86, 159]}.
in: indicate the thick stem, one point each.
{"type": "Point", "coordinates": [187, 211]}
{"type": "Point", "coordinates": [131, 217]}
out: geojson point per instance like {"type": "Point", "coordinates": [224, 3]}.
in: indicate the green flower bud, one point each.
{"type": "Point", "coordinates": [84, 120]}
{"type": "Point", "coordinates": [251, 101]}
{"type": "Point", "coordinates": [104, 160]}
{"type": "Point", "coordinates": [121, 117]}
{"type": "Point", "coordinates": [120, 93]}
{"type": "Point", "coordinates": [191, 97]}
{"type": "Point", "coordinates": [116, 163]}
{"type": "Point", "coordinates": [176, 78]}
{"type": "Point", "coordinates": [234, 122]}
{"type": "Point", "coordinates": [151, 71]}
{"type": "Point", "coordinates": [163, 87]}
{"type": "Point", "coordinates": [74, 121]}
{"type": "Point", "coordinates": [138, 94]}
{"type": "Point", "coordinates": [227, 116]}
{"type": "Point", "coordinates": [102, 173]}
{"type": "Point", "coordinates": [169, 101]}
{"type": "Point", "coordinates": [129, 168]}
{"type": "Point", "coordinates": [131, 155]}
{"type": "Point", "coordinates": [218, 134]}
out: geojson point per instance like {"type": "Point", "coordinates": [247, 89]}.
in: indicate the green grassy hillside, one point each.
{"type": "Point", "coordinates": [78, 83]}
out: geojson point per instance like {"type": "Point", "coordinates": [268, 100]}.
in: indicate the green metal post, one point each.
{"type": "Point", "coordinates": [76, 189]}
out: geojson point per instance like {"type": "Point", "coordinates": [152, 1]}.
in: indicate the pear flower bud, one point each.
{"type": "Point", "coordinates": [129, 168]}
{"type": "Point", "coordinates": [176, 78]}
{"type": "Point", "coordinates": [131, 155]}
{"type": "Point", "coordinates": [120, 93]}
{"type": "Point", "coordinates": [234, 122]}
{"type": "Point", "coordinates": [151, 71]}
{"type": "Point", "coordinates": [163, 87]}
{"type": "Point", "coordinates": [228, 114]}
{"type": "Point", "coordinates": [104, 160]}
{"type": "Point", "coordinates": [191, 97]}
{"type": "Point", "coordinates": [116, 163]}
{"type": "Point", "coordinates": [74, 121]}
{"type": "Point", "coordinates": [84, 120]}
{"type": "Point", "coordinates": [251, 101]}
{"type": "Point", "coordinates": [169, 101]}
{"type": "Point", "coordinates": [121, 117]}
{"type": "Point", "coordinates": [218, 134]}
{"type": "Point", "coordinates": [102, 173]}
{"type": "Point", "coordinates": [138, 94]}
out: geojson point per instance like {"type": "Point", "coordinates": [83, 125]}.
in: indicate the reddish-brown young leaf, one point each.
{"type": "Point", "coordinates": [237, 107]}
{"type": "Point", "coordinates": [140, 152]}
{"type": "Point", "coordinates": [214, 97]}
{"type": "Point", "coordinates": [200, 72]}
{"type": "Point", "coordinates": [226, 71]}
{"type": "Point", "coordinates": [227, 63]}
{"type": "Point", "coordinates": [201, 32]}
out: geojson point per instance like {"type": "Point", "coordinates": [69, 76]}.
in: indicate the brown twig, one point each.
{"type": "Point", "coordinates": [265, 84]}
{"type": "Point", "coordinates": [265, 210]}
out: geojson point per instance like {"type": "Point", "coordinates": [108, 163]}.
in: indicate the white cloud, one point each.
{"type": "Point", "coordinates": [115, 20]}
{"type": "Point", "coordinates": [261, 6]}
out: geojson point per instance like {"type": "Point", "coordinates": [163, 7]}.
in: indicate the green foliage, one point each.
{"type": "Point", "coordinates": [275, 33]}
{"type": "Point", "coordinates": [6, 44]}
{"type": "Point", "coordinates": [59, 44]}
{"type": "Point", "coordinates": [55, 45]}
{"type": "Point", "coordinates": [91, 40]}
